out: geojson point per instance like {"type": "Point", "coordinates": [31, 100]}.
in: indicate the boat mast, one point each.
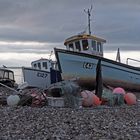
{"type": "Point", "coordinates": [88, 12]}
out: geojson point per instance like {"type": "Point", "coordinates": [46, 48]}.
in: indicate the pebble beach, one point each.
{"type": "Point", "coordinates": [47, 123]}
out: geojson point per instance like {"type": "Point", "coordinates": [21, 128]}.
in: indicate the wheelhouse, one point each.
{"type": "Point", "coordinates": [43, 64]}
{"type": "Point", "coordinates": [7, 77]}
{"type": "Point", "coordinates": [86, 44]}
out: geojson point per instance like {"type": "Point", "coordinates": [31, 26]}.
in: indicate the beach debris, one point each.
{"type": "Point", "coordinates": [69, 90]}
{"type": "Point", "coordinates": [39, 98]}
{"type": "Point", "coordinates": [130, 98]}
{"type": "Point", "coordinates": [55, 101]}
{"type": "Point", "coordinates": [28, 97]}
{"type": "Point", "coordinates": [34, 97]}
{"type": "Point", "coordinates": [65, 94]}
{"type": "Point", "coordinates": [56, 92]}
{"type": "Point", "coordinates": [119, 90]}
{"type": "Point", "coordinates": [13, 100]}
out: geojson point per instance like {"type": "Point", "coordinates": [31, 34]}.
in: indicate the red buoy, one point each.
{"type": "Point", "coordinates": [119, 90]}
{"type": "Point", "coordinates": [130, 98]}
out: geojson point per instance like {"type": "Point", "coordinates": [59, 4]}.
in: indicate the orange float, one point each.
{"type": "Point", "coordinates": [130, 98]}
{"type": "Point", "coordinates": [96, 100]}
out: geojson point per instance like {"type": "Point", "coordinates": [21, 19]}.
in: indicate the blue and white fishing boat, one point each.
{"type": "Point", "coordinates": [41, 74]}
{"type": "Point", "coordinates": [79, 60]}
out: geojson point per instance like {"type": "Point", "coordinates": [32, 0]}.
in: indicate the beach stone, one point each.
{"type": "Point", "coordinates": [90, 123]}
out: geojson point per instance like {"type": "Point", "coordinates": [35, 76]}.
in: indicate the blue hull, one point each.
{"type": "Point", "coordinates": [40, 78]}
{"type": "Point", "coordinates": [83, 67]}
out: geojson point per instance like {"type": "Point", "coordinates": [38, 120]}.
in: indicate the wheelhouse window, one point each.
{"type": "Point", "coordinates": [94, 45]}
{"type": "Point", "coordinates": [99, 47]}
{"type": "Point", "coordinates": [85, 45]}
{"type": "Point", "coordinates": [11, 76]}
{"type": "Point", "coordinates": [71, 47]}
{"type": "Point", "coordinates": [6, 75]}
{"type": "Point", "coordinates": [77, 46]}
{"type": "Point", "coordinates": [39, 65]}
{"type": "Point", "coordinates": [45, 65]}
{"type": "Point", "coordinates": [35, 65]}
{"type": "Point", "coordinates": [53, 65]}
{"type": "Point", "coordinates": [1, 74]}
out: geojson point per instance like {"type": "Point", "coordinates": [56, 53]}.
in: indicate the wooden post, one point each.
{"type": "Point", "coordinates": [99, 81]}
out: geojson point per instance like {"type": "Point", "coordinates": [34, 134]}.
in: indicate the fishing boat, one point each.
{"type": "Point", "coordinates": [41, 74]}
{"type": "Point", "coordinates": [80, 58]}
{"type": "Point", "coordinates": [7, 77]}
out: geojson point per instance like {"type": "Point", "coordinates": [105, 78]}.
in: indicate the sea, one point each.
{"type": "Point", "coordinates": [18, 74]}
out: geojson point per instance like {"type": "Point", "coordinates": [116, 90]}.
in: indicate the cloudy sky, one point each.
{"type": "Point", "coordinates": [30, 29]}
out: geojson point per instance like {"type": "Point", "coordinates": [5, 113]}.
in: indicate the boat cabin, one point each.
{"type": "Point", "coordinates": [44, 64]}
{"type": "Point", "coordinates": [7, 77]}
{"type": "Point", "coordinates": [85, 43]}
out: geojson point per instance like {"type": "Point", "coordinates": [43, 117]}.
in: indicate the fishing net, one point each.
{"type": "Point", "coordinates": [112, 99]}
{"type": "Point", "coordinates": [71, 92]}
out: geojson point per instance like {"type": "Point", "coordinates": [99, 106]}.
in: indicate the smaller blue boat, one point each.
{"type": "Point", "coordinates": [41, 74]}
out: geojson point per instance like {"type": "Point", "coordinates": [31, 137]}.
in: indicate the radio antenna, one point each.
{"type": "Point", "coordinates": [88, 12]}
{"type": "Point", "coordinates": [50, 55]}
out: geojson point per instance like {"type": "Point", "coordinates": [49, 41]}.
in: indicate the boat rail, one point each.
{"type": "Point", "coordinates": [132, 60]}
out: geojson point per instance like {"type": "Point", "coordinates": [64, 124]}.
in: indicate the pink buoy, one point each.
{"type": "Point", "coordinates": [130, 98]}
{"type": "Point", "coordinates": [119, 90]}
{"type": "Point", "coordinates": [96, 100]}
{"type": "Point", "coordinates": [87, 98]}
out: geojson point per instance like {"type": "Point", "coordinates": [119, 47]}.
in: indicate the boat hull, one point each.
{"type": "Point", "coordinates": [40, 78]}
{"type": "Point", "coordinates": [82, 67]}
{"type": "Point", "coordinates": [36, 78]}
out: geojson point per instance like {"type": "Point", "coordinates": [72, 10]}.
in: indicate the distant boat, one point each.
{"type": "Point", "coordinates": [80, 58]}
{"type": "Point", "coordinates": [7, 77]}
{"type": "Point", "coordinates": [41, 74]}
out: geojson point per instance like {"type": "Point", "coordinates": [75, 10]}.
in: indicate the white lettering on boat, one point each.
{"type": "Point", "coordinates": [88, 65]}
{"type": "Point", "coordinates": [43, 75]}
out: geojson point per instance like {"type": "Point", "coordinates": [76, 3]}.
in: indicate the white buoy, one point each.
{"type": "Point", "coordinates": [13, 100]}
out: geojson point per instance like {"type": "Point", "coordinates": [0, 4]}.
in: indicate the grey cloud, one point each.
{"type": "Point", "coordinates": [38, 49]}
{"type": "Point", "coordinates": [53, 21]}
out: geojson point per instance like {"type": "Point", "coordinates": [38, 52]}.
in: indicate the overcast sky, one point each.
{"type": "Point", "coordinates": [30, 29]}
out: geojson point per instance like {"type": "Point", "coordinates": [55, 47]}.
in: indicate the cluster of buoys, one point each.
{"type": "Point", "coordinates": [129, 97]}
{"type": "Point", "coordinates": [90, 99]}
